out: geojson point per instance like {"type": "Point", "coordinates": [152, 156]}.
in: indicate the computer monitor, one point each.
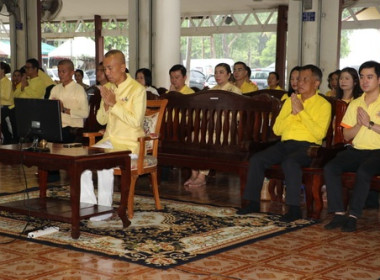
{"type": "Point", "coordinates": [38, 119]}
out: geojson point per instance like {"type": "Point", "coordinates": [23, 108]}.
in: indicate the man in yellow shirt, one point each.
{"type": "Point", "coordinates": [361, 124]}
{"type": "Point", "coordinates": [178, 79]}
{"type": "Point", "coordinates": [122, 109]}
{"type": "Point", "coordinates": [240, 75]}
{"type": "Point", "coordinates": [303, 121]}
{"type": "Point", "coordinates": [32, 86]}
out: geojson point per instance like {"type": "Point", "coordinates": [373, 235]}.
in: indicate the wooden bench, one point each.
{"type": "Point", "coordinates": [272, 92]}
{"type": "Point", "coordinates": [217, 130]}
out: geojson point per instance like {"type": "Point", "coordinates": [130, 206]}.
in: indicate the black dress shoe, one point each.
{"type": "Point", "coordinates": [350, 225]}
{"type": "Point", "coordinates": [294, 213]}
{"type": "Point", "coordinates": [252, 207]}
{"type": "Point", "coordinates": [337, 221]}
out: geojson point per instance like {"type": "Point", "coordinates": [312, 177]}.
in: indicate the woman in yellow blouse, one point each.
{"type": "Point", "coordinates": [274, 81]}
{"type": "Point", "coordinates": [333, 83]}
{"type": "Point", "coordinates": [222, 75]}
{"type": "Point", "coordinates": [349, 85]}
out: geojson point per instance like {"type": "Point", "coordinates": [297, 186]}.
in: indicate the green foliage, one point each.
{"type": "Point", "coordinates": [344, 43]}
{"type": "Point", "coordinates": [254, 49]}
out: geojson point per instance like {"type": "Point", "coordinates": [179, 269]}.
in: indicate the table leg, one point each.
{"type": "Point", "coordinates": [42, 182]}
{"type": "Point", "coordinates": [124, 190]}
{"type": "Point", "coordinates": [75, 174]}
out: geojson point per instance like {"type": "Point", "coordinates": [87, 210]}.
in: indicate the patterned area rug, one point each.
{"type": "Point", "coordinates": [180, 233]}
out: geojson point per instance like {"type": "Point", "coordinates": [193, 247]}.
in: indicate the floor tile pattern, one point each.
{"type": "Point", "coordinates": [309, 253]}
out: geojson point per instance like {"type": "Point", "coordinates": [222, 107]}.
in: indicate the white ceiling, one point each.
{"type": "Point", "coordinates": [86, 9]}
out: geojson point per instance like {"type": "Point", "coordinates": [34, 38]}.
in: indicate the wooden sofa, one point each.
{"type": "Point", "coordinates": [215, 129]}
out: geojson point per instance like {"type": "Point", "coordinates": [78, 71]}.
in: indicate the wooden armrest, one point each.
{"type": "Point", "coordinates": [91, 137]}
{"type": "Point", "coordinates": [92, 134]}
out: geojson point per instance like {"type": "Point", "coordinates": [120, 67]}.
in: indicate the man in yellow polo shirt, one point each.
{"type": "Point", "coordinates": [240, 75]}
{"type": "Point", "coordinates": [32, 86]}
{"type": "Point", "coordinates": [361, 124]}
{"type": "Point", "coordinates": [303, 121]}
{"type": "Point", "coordinates": [178, 78]}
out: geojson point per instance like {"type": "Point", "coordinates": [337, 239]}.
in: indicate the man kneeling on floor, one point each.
{"type": "Point", "coordinates": [361, 124]}
{"type": "Point", "coordinates": [303, 122]}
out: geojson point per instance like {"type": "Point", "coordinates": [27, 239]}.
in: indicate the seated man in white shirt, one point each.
{"type": "Point", "coordinates": [73, 99]}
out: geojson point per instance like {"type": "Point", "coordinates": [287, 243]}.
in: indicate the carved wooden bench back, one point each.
{"type": "Point", "coordinates": [217, 123]}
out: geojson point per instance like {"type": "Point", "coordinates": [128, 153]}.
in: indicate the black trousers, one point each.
{"type": "Point", "coordinates": [292, 155]}
{"type": "Point", "coordinates": [9, 136]}
{"type": "Point", "coordinates": [366, 164]}
{"type": "Point", "coordinates": [71, 134]}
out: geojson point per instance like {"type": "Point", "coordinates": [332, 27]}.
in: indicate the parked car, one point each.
{"type": "Point", "coordinates": [197, 79]}
{"type": "Point", "coordinates": [260, 77]}
{"type": "Point", "coordinates": [210, 81]}
{"type": "Point", "coordinates": [91, 73]}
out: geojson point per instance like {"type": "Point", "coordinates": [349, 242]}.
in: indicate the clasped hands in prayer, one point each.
{"type": "Point", "coordinates": [109, 97]}
{"type": "Point", "coordinates": [297, 105]}
{"type": "Point", "coordinates": [362, 117]}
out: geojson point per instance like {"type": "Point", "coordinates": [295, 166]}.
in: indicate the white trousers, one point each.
{"type": "Point", "coordinates": [105, 182]}
{"type": "Point", "coordinates": [105, 187]}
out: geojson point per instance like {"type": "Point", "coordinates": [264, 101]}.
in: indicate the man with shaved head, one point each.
{"type": "Point", "coordinates": [122, 109]}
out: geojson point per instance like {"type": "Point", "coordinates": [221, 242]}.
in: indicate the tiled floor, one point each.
{"type": "Point", "coordinates": [310, 253]}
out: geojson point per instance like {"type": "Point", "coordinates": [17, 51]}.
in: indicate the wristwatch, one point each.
{"type": "Point", "coordinates": [370, 124]}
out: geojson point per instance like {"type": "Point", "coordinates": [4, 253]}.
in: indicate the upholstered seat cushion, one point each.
{"type": "Point", "coordinates": [150, 127]}
{"type": "Point", "coordinates": [149, 161]}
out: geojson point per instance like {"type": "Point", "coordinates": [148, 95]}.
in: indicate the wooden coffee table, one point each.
{"type": "Point", "coordinates": [74, 161]}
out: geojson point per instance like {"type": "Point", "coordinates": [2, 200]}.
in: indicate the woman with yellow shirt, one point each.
{"type": "Point", "coordinates": [349, 85]}
{"type": "Point", "coordinates": [333, 83]}
{"type": "Point", "coordinates": [6, 100]}
{"type": "Point", "coordinates": [222, 75]}
{"type": "Point", "coordinates": [274, 81]}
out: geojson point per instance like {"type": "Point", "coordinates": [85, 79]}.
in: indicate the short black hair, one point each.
{"type": "Point", "coordinates": [316, 71]}
{"type": "Point", "coordinates": [276, 74]}
{"type": "Point", "coordinates": [371, 64]}
{"type": "Point", "coordinates": [5, 66]}
{"type": "Point", "coordinates": [179, 67]}
{"type": "Point", "coordinates": [34, 62]}
{"type": "Point", "coordinates": [80, 72]}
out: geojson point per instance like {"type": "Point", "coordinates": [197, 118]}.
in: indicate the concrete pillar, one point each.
{"type": "Point", "coordinates": [133, 18]}
{"type": "Point", "coordinates": [166, 40]}
{"type": "Point", "coordinates": [140, 34]}
{"type": "Point", "coordinates": [26, 32]}
{"type": "Point", "coordinates": [145, 34]}
{"type": "Point", "coordinates": [314, 35]}
{"type": "Point", "coordinates": [294, 50]}
{"type": "Point", "coordinates": [329, 39]}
